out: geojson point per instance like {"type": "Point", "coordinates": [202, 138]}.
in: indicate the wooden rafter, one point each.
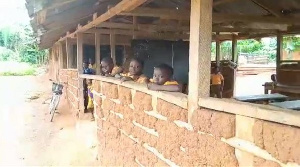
{"type": "Point", "coordinates": [124, 5]}
{"type": "Point", "coordinates": [221, 2]}
{"type": "Point", "coordinates": [217, 17]}
{"type": "Point", "coordinates": [181, 28]}
{"type": "Point", "coordinates": [268, 8]}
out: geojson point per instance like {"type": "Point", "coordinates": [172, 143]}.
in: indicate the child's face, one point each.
{"type": "Point", "coordinates": [106, 68]}
{"type": "Point", "coordinates": [160, 77]}
{"type": "Point", "coordinates": [135, 68]}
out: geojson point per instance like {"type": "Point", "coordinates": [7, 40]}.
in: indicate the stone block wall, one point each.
{"type": "Point", "coordinates": [135, 128]}
{"type": "Point", "coordinates": [71, 89]}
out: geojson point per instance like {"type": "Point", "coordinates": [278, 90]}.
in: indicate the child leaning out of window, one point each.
{"type": "Point", "coordinates": [162, 80]}
{"type": "Point", "coordinates": [135, 72]}
{"type": "Point", "coordinates": [108, 69]}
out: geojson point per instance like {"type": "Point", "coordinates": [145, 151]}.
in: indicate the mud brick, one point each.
{"type": "Point", "coordinates": [213, 122]}
{"type": "Point", "coordinates": [142, 102]}
{"type": "Point", "coordinates": [125, 95]}
{"type": "Point", "coordinates": [172, 111]}
{"type": "Point", "coordinates": [110, 90]}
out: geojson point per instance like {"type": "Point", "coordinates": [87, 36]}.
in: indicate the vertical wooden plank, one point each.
{"type": "Point", "coordinates": [61, 56]}
{"type": "Point", "coordinates": [97, 52]}
{"type": "Point", "coordinates": [234, 59]}
{"type": "Point", "coordinates": [79, 52]}
{"type": "Point", "coordinates": [113, 46]}
{"type": "Point", "coordinates": [234, 49]}
{"type": "Point", "coordinates": [70, 54]}
{"type": "Point", "coordinates": [200, 52]}
{"type": "Point", "coordinates": [218, 49]}
{"type": "Point", "coordinates": [244, 131]}
{"type": "Point", "coordinates": [80, 71]}
{"type": "Point", "coordinates": [279, 50]}
{"type": "Point", "coordinates": [134, 21]}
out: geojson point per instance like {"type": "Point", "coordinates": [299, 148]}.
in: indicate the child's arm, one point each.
{"type": "Point", "coordinates": [169, 88]}
{"type": "Point", "coordinates": [116, 71]}
{"type": "Point", "coordinates": [124, 79]}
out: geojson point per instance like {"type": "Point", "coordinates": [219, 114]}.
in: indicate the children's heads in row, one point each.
{"type": "Point", "coordinates": [135, 68]}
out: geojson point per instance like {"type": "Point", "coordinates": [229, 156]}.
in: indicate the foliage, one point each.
{"type": "Point", "coordinates": [19, 44]}
{"type": "Point", "coordinates": [253, 47]}
{"type": "Point", "coordinates": [12, 68]}
{"type": "Point", "coordinates": [30, 71]}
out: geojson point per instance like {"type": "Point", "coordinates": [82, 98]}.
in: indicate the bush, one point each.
{"type": "Point", "coordinates": [16, 69]}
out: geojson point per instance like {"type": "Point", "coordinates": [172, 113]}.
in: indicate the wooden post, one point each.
{"type": "Point", "coordinates": [279, 50]}
{"type": "Point", "coordinates": [134, 21]}
{"type": "Point", "coordinates": [200, 52]}
{"type": "Point", "coordinates": [79, 52]}
{"type": "Point", "coordinates": [113, 46]}
{"type": "Point", "coordinates": [218, 58]}
{"type": "Point", "coordinates": [97, 52]}
{"type": "Point", "coordinates": [235, 56]}
{"type": "Point", "coordinates": [80, 71]}
{"type": "Point", "coordinates": [234, 59]}
{"type": "Point", "coordinates": [70, 54]}
{"type": "Point", "coordinates": [61, 56]}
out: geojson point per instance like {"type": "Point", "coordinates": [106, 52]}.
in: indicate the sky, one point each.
{"type": "Point", "coordinates": [13, 12]}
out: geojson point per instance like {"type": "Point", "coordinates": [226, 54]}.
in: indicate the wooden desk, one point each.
{"type": "Point", "coordinates": [263, 97]}
{"type": "Point", "coordinates": [294, 105]}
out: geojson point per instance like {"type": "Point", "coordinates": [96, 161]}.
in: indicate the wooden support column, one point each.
{"type": "Point", "coordinates": [218, 49]}
{"type": "Point", "coordinates": [80, 52]}
{"type": "Point", "coordinates": [80, 71]}
{"type": "Point", "coordinates": [113, 46]}
{"type": "Point", "coordinates": [200, 52]}
{"type": "Point", "coordinates": [97, 52]}
{"type": "Point", "coordinates": [134, 21]}
{"type": "Point", "coordinates": [60, 55]}
{"type": "Point", "coordinates": [70, 54]}
{"type": "Point", "coordinates": [235, 56]}
{"type": "Point", "coordinates": [279, 50]}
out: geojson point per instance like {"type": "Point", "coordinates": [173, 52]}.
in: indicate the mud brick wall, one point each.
{"type": "Point", "coordinates": [281, 141]}
{"type": "Point", "coordinates": [136, 129]}
{"type": "Point", "coordinates": [71, 90]}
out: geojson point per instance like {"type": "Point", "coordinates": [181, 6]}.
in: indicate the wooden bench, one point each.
{"type": "Point", "coordinates": [294, 105]}
{"type": "Point", "coordinates": [262, 98]}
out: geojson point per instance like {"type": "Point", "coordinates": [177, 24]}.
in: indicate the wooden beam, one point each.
{"type": "Point", "coordinates": [144, 27]}
{"type": "Point", "coordinates": [97, 52]}
{"type": "Point", "coordinates": [142, 34]}
{"type": "Point", "coordinates": [113, 46]}
{"type": "Point", "coordinates": [61, 56]}
{"type": "Point", "coordinates": [221, 2]}
{"type": "Point", "coordinates": [234, 58]}
{"type": "Point", "coordinates": [217, 17]}
{"type": "Point", "coordinates": [218, 49]}
{"type": "Point", "coordinates": [124, 5]}
{"type": "Point", "coordinates": [234, 49]}
{"type": "Point", "coordinates": [70, 54]}
{"type": "Point", "coordinates": [279, 52]}
{"type": "Point", "coordinates": [134, 24]}
{"type": "Point", "coordinates": [268, 7]}
{"type": "Point", "coordinates": [80, 52]}
{"type": "Point", "coordinates": [200, 52]}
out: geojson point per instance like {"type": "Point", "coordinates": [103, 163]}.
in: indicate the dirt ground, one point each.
{"type": "Point", "coordinates": [28, 138]}
{"type": "Point", "coordinates": [26, 135]}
